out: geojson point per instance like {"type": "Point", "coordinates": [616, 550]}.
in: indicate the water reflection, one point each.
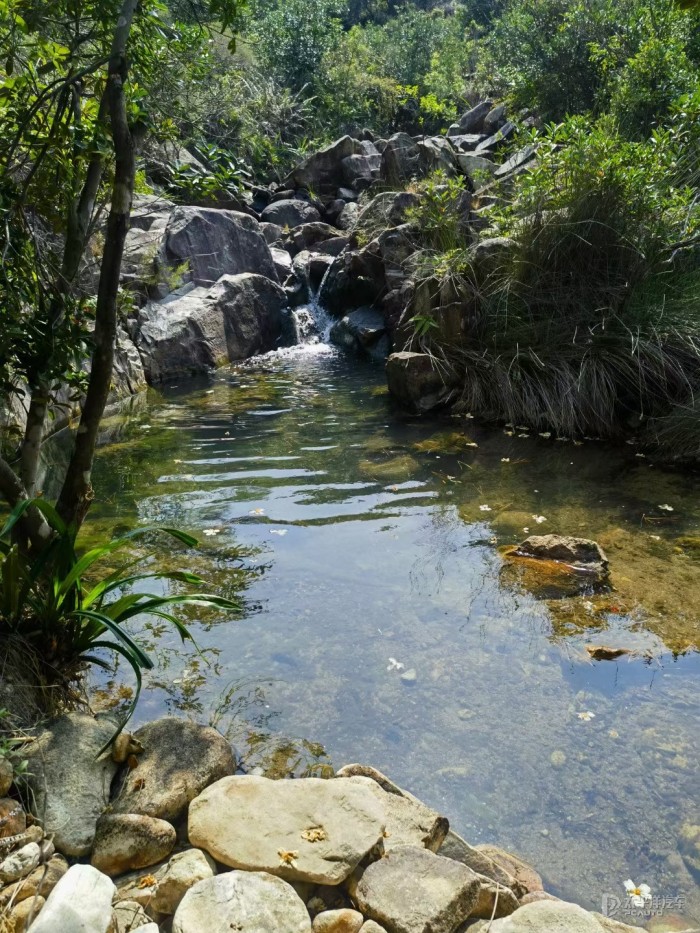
{"type": "Point", "coordinates": [373, 537]}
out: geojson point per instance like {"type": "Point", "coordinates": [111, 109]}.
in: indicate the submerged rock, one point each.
{"type": "Point", "coordinates": [68, 785]}
{"type": "Point", "coordinates": [302, 830]}
{"type": "Point", "coordinates": [240, 900]}
{"type": "Point", "coordinates": [556, 566]}
{"type": "Point", "coordinates": [179, 760]}
{"type": "Point", "coordinates": [411, 890]}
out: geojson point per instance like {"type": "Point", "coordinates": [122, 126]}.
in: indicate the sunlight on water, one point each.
{"type": "Point", "coordinates": [375, 555]}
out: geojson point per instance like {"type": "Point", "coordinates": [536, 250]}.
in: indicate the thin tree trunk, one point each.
{"type": "Point", "coordinates": [76, 494]}
{"type": "Point", "coordinates": [34, 527]}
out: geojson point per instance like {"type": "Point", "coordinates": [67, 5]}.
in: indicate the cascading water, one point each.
{"type": "Point", "coordinates": [312, 323]}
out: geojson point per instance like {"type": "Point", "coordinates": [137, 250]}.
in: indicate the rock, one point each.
{"type": "Point", "coordinates": [388, 209]}
{"type": "Point", "coordinates": [347, 194]}
{"type": "Point", "coordinates": [179, 760]}
{"type": "Point", "coordinates": [517, 161]}
{"type": "Point", "coordinates": [456, 848]}
{"type": "Point", "coordinates": [23, 914]}
{"type": "Point", "coordinates": [579, 552]}
{"type": "Point", "coordinates": [411, 890]}
{"type": "Point", "coordinates": [310, 236]}
{"type": "Point", "coordinates": [410, 676]}
{"type": "Point", "coordinates": [525, 877]}
{"type": "Point", "coordinates": [348, 216]}
{"type": "Point", "coordinates": [322, 172]}
{"type": "Point", "coordinates": [273, 233]}
{"type": "Point", "coordinates": [240, 316]}
{"type": "Point", "coordinates": [333, 246]}
{"type": "Point", "coordinates": [13, 819]}
{"type": "Point", "coordinates": [215, 243]}
{"type": "Point", "coordinates": [536, 896]}
{"type": "Point", "coordinates": [473, 120]}
{"type": "Point", "coordinates": [614, 926]}
{"type": "Point", "coordinates": [355, 278]}
{"type": "Point", "coordinates": [498, 138]}
{"type": "Point", "coordinates": [361, 330]}
{"type": "Point", "coordinates": [436, 154]}
{"type": "Point", "coordinates": [689, 848]}
{"type": "Point", "coordinates": [548, 917]}
{"type": "Point", "coordinates": [81, 902]}
{"type": "Point", "coordinates": [401, 159]}
{"type": "Point", "coordinates": [302, 830]}
{"type": "Point", "coordinates": [150, 211]}
{"type": "Point", "coordinates": [408, 820]}
{"type": "Point", "coordinates": [414, 381]}
{"type": "Point", "coordinates": [605, 652]}
{"type": "Point", "coordinates": [338, 921]}
{"type": "Point", "coordinates": [178, 875]}
{"type": "Point", "coordinates": [128, 916]}
{"type": "Point", "coordinates": [128, 375]}
{"type": "Point", "coordinates": [370, 926]}
{"type": "Point", "coordinates": [487, 253]}
{"type": "Point", "coordinates": [478, 169]}
{"type": "Point", "coordinates": [494, 119]}
{"type": "Point", "coordinates": [290, 213]}
{"type": "Point", "coordinates": [39, 882]}
{"type": "Point", "coordinates": [361, 170]}
{"type": "Point", "coordinates": [252, 901]}
{"type": "Point", "coordinates": [126, 841]}
{"type": "Point", "coordinates": [283, 263]}
{"type": "Point", "coordinates": [6, 776]}
{"type": "Point", "coordinates": [20, 863]}
{"type": "Point", "coordinates": [466, 142]}
{"type": "Point", "coordinates": [68, 787]}
{"type": "Point", "coordinates": [493, 900]}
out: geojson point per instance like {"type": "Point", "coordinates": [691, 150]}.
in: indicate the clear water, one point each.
{"type": "Point", "coordinates": [369, 544]}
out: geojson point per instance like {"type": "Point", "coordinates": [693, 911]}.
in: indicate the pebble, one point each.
{"type": "Point", "coordinates": [410, 676]}
{"type": "Point", "coordinates": [20, 863]}
{"type": "Point", "coordinates": [558, 758]}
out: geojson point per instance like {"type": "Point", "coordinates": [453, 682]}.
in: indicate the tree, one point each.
{"type": "Point", "coordinates": [72, 115]}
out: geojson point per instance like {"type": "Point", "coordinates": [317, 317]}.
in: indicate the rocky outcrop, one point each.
{"type": "Point", "coordinates": [302, 830]}
{"type": "Point", "coordinates": [68, 785]}
{"type": "Point", "coordinates": [323, 172]}
{"type": "Point", "coordinates": [213, 243]}
{"type": "Point", "coordinates": [252, 901]}
{"type": "Point", "coordinates": [180, 758]}
{"type": "Point", "coordinates": [204, 328]}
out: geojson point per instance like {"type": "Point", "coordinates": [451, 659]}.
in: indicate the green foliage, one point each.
{"type": "Point", "coordinates": [48, 603]}
{"type": "Point", "coordinates": [218, 178]}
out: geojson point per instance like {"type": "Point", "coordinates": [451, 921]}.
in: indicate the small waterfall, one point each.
{"type": "Point", "coordinates": [312, 322]}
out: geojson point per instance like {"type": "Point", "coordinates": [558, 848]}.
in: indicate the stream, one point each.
{"type": "Point", "coordinates": [378, 621]}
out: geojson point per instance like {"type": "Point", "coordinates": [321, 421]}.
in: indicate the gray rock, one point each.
{"type": "Point", "coordinates": [302, 830]}
{"type": "Point", "coordinates": [408, 820]}
{"type": "Point", "coordinates": [370, 926]}
{"type": "Point", "coordinates": [240, 316]}
{"type": "Point", "coordinates": [466, 142]}
{"type": "Point", "coordinates": [347, 194]}
{"type": "Point", "coordinates": [614, 926]}
{"type": "Point", "coordinates": [215, 243]}
{"type": "Point", "coordinates": [412, 890]}
{"type": "Point", "coordinates": [126, 841]}
{"type": "Point", "coordinates": [252, 901]}
{"type": "Point", "coordinates": [359, 330]}
{"type": "Point", "coordinates": [401, 159]}
{"type": "Point", "coordinates": [273, 233]}
{"type": "Point", "coordinates": [348, 216]}
{"type": "Point", "coordinates": [456, 848]}
{"type": "Point", "coordinates": [129, 376]}
{"type": "Point", "coordinates": [360, 171]}
{"type": "Point", "coordinates": [494, 900]}
{"type": "Point", "coordinates": [68, 786]}
{"type": "Point", "coordinates": [290, 213]}
{"type": "Point", "coordinates": [473, 120]}
{"type": "Point", "coordinates": [388, 209]}
{"type": "Point", "coordinates": [525, 879]}
{"type": "Point", "coordinates": [81, 902]}
{"type": "Point", "coordinates": [20, 863]}
{"type": "Point", "coordinates": [178, 875]}
{"type": "Point", "coordinates": [338, 921]}
{"type": "Point", "coordinates": [150, 211]}
{"type": "Point", "coordinates": [494, 119]}
{"type": "Point", "coordinates": [436, 154]}
{"type": "Point", "coordinates": [322, 172]}
{"type": "Point", "coordinates": [516, 162]}
{"type": "Point", "coordinates": [689, 848]}
{"type": "Point", "coordinates": [476, 167]}
{"type": "Point", "coordinates": [311, 236]}
{"type": "Point", "coordinates": [414, 381]}
{"type": "Point", "coordinates": [334, 246]}
{"type": "Point", "coordinates": [283, 263]}
{"type": "Point", "coordinates": [490, 251]}
{"type": "Point", "coordinates": [498, 138]}
{"type": "Point", "coordinates": [577, 552]}
{"type": "Point", "coordinates": [548, 917]}
{"type": "Point", "coordinates": [128, 916]}
{"type": "Point", "coordinates": [179, 760]}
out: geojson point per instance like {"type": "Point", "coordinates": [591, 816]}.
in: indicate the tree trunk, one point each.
{"type": "Point", "coordinates": [76, 494]}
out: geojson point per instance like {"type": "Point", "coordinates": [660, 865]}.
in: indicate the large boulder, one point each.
{"type": "Point", "coordinates": [303, 830]}
{"type": "Point", "coordinates": [412, 890]}
{"type": "Point", "coordinates": [361, 170]}
{"type": "Point", "coordinates": [322, 172]}
{"type": "Point", "coordinates": [401, 159]}
{"type": "Point", "coordinates": [456, 848]}
{"type": "Point", "coordinates": [68, 785]}
{"type": "Point", "coordinates": [473, 120]}
{"type": "Point", "coordinates": [436, 153]}
{"type": "Point", "coordinates": [548, 917]}
{"type": "Point", "coordinates": [251, 901]}
{"type": "Point", "coordinates": [213, 243]}
{"type": "Point", "coordinates": [388, 209]}
{"type": "Point", "coordinates": [290, 213]}
{"type": "Point", "coordinates": [180, 758]}
{"type": "Point", "coordinates": [239, 317]}
{"type": "Point", "coordinates": [81, 902]}
{"type": "Point", "coordinates": [415, 382]}
{"type": "Point", "coordinates": [362, 330]}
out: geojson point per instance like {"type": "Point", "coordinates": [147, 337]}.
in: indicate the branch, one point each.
{"type": "Point", "coordinates": [33, 525]}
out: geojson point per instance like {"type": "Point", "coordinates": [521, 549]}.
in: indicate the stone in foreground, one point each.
{"type": "Point", "coordinates": [179, 760]}
{"type": "Point", "coordinates": [68, 786]}
{"type": "Point", "coordinates": [548, 917]}
{"type": "Point", "coordinates": [251, 901]}
{"type": "Point", "coordinates": [411, 890]}
{"type": "Point", "coordinates": [338, 921]}
{"type": "Point", "coordinates": [126, 841]}
{"type": "Point", "coordinates": [302, 830]}
{"type": "Point", "coordinates": [414, 381]}
{"type": "Point", "coordinates": [81, 902]}
{"type": "Point", "coordinates": [456, 848]}
{"type": "Point", "coordinates": [525, 878]}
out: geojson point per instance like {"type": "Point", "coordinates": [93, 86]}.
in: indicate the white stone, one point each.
{"type": "Point", "coordinates": [303, 830]}
{"type": "Point", "coordinates": [20, 863]}
{"type": "Point", "coordinates": [81, 902]}
{"type": "Point", "coordinates": [252, 901]}
{"type": "Point", "coordinates": [181, 873]}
